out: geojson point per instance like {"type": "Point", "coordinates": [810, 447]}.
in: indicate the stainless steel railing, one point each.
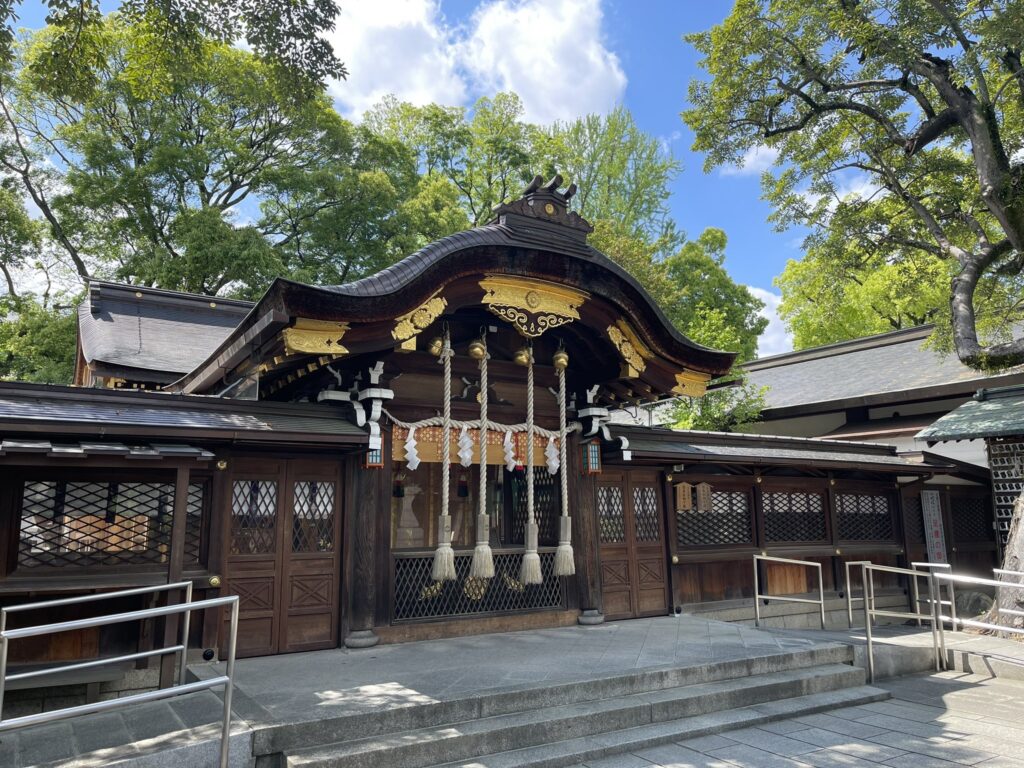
{"type": "Point", "coordinates": [868, 571]}
{"type": "Point", "coordinates": [820, 602]}
{"type": "Point", "coordinates": [850, 599]}
{"type": "Point", "coordinates": [958, 622]}
{"type": "Point", "coordinates": [184, 609]}
{"type": "Point", "coordinates": [915, 591]}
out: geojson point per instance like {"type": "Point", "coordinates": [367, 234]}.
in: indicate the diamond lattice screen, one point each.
{"type": "Point", "coordinates": [727, 522]}
{"type": "Point", "coordinates": [1007, 463]}
{"type": "Point", "coordinates": [971, 520]}
{"type": "Point", "coordinates": [108, 523]}
{"type": "Point", "coordinates": [611, 523]}
{"type": "Point", "coordinates": [547, 505]}
{"type": "Point", "coordinates": [645, 513]}
{"type": "Point", "coordinates": [418, 596]}
{"type": "Point", "coordinates": [794, 516]}
{"type": "Point", "coordinates": [254, 517]}
{"type": "Point", "coordinates": [913, 519]}
{"type": "Point", "coordinates": [864, 517]}
{"type": "Point", "coordinates": [313, 517]}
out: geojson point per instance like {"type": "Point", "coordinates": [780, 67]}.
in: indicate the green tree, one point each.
{"type": "Point", "coordinates": [20, 236]}
{"type": "Point", "coordinates": [37, 340]}
{"type": "Point", "coordinates": [923, 100]}
{"type": "Point", "coordinates": [287, 36]}
{"type": "Point", "coordinates": [217, 181]}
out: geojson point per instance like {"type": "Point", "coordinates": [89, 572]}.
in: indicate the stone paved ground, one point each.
{"type": "Point", "coordinates": [933, 721]}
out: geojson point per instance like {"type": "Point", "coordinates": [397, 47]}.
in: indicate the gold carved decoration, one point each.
{"type": "Point", "coordinates": [691, 384]}
{"type": "Point", "coordinates": [410, 325]}
{"type": "Point", "coordinates": [314, 337]}
{"type": "Point", "coordinates": [532, 306]}
{"type": "Point", "coordinates": [634, 352]}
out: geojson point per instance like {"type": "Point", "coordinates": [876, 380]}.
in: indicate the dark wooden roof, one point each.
{"type": "Point", "coordinates": [146, 334]}
{"type": "Point", "coordinates": [527, 238]}
{"type": "Point", "coordinates": [33, 409]}
{"type": "Point", "coordinates": [695, 447]}
{"type": "Point", "coordinates": [886, 369]}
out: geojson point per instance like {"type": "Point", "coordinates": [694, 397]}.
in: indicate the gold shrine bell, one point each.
{"type": "Point", "coordinates": [477, 349]}
{"type": "Point", "coordinates": [560, 360]}
{"type": "Point", "coordinates": [522, 356]}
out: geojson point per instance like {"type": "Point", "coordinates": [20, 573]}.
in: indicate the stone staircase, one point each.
{"type": "Point", "coordinates": [569, 723]}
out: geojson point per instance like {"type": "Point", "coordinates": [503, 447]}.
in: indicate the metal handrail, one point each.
{"type": "Point", "coordinates": [915, 590]}
{"type": "Point", "coordinates": [953, 619]}
{"type": "Point", "coordinates": [226, 680]}
{"type": "Point", "coordinates": [184, 585]}
{"type": "Point", "coordinates": [849, 589]}
{"type": "Point", "coordinates": [1004, 572]}
{"type": "Point", "coordinates": [868, 571]}
{"type": "Point", "coordinates": [820, 602]}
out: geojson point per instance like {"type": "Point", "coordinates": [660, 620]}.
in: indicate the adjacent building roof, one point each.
{"type": "Point", "coordinates": [878, 370]}
{"type": "Point", "coordinates": [57, 411]}
{"type": "Point", "coordinates": [149, 334]}
{"type": "Point", "coordinates": [997, 412]}
{"type": "Point", "coordinates": [85, 450]}
{"type": "Point", "coordinates": [686, 447]}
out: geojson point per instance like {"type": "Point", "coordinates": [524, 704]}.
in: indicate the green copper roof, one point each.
{"type": "Point", "coordinates": [992, 413]}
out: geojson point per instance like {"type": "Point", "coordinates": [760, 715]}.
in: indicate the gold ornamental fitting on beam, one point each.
{"type": "Point", "coordinates": [631, 349]}
{"type": "Point", "coordinates": [410, 325]}
{"type": "Point", "coordinates": [691, 383]}
{"type": "Point", "coordinates": [314, 337]}
{"type": "Point", "coordinates": [532, 306]}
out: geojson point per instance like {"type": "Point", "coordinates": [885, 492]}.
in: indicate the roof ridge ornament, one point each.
{"type": "Point", "coordinates": [544, 202]}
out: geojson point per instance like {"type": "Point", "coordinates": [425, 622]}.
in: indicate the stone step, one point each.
{"type": "Point", "coordinates": [392, 717]}
{"type": "Point", "coordinates": [545, 726]}
{"type": "Point", "coordinates": [572, 752]}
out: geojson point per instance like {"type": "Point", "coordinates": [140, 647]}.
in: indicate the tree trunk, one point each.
{"type": "Point", "coordinates": [1009, 598]}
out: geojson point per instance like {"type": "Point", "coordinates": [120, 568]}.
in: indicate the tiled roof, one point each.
{"type": "Point", "coordinates": [889, 367]}
{"type": "Point", "coordinates": [991, 413]}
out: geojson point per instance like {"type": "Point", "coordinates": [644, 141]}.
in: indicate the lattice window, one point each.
{"type": "Point", "coordinates": [793, 516]}
{"type": "Point", "coordinates": [313, 517]}
{"type": "Point", "coordinates": [913, 519]}
{"type": "Point", "coordinates": [547, 505]}
{"type": "Point", "coordinates": [1006, 460]}
{"type": "Point", "coordinates": [254, 517]}
{"type": "Point", "coordinates": [418, 596]}
{"type": "Point", "coordinates": [645, 513]}
{"type": "Point", "coordinates": [611, 523]}
{"type": "Point", "coordinates": [864, 517]}
{"type": "Point", "coordinates": [727, 522]}
{"type": "Point", "coordinates": [971, 520]}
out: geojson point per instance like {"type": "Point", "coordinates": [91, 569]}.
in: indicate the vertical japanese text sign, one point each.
{"type": "Point", "coordinates": [934, 536]}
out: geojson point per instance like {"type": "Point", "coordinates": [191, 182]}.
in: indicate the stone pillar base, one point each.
{"type": "Point", "coordinates": [590, 618]}
{"type": "Point", "coordinates": [361, 638]}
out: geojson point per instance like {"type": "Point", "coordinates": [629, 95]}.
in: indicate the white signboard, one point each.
{"type": "Point", "coordinates": [934, 536]}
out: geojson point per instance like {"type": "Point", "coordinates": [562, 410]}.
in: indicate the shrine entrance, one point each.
{"type": "Point", "coordinates": [283, 554]}
{"type": "Point", "coordinates": [634, 575]}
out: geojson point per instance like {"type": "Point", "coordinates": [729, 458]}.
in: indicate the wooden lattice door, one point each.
{"type": "Point", "coordinates": [631, 530]}
{"type": "Point", "coordinates": [283, 554]}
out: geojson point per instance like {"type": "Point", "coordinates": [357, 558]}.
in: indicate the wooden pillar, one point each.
{"type": "Point", "coordinates": [219, 510]}
{"type": "Point", "coordinates": [366, 503]}
{"type": "Point", "coordinates": [586, 543]}
{"type": "Point", "coordinates": [175, 567]}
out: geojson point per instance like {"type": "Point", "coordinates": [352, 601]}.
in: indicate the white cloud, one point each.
{"type": "Point", "coordinates": [402, 47]}
{"type": "Point", "coordinates": [551, 53]}
{"type": "Point", "coordinates": [775, 339]}
{"type": "Point", "coordinates": [756, 161]}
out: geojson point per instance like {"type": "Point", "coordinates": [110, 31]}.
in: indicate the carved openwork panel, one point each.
{"type": "Point", "coordinates": [313, 517]}
{"type": "Point", "coordinates": [611, 521]}
{"type": "Point", "coordinates": [254, 517]}
{"type": "Point", "coordinates": [726, 522]}
{"type": "Point", "coordinates": [645, 514]}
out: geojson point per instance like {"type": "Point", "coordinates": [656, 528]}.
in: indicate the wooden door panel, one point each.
{"type": "Point", "coordinates": [634, 578]}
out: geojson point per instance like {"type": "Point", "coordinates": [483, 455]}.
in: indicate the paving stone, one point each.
{"type": "Point", "coordinates": [944, 750]}
{"type": "Point", "coordinates": [772, 742]}
{"type": "Point", "coordinates": [847, 727]}
{"type": "Point", "coordinates": [828, 758]}
{"type": "Point", "coordinates": [707, 743]}
{"type": "Point", "coordinates": [672, 756]}
{"type": "Point", "coordinates": [752, 757]}
{"type": "Point", "coordinates": [910, 760]}
{"type": "Point", "coordinates": [620, 761]}
{"type": "Point", "coordinates": [914, 728]}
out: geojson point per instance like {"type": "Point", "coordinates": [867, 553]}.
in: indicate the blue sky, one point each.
{"type": "Point", "coordinates": [564, 58]}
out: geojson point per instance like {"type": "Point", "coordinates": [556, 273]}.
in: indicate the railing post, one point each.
{"type": "Point", "coordinates": [936, 613]}
{"type": "Point", "coordinates": [866, 582]}
{"type": "Point", "coordinates": [941, 622]}
{"type": "Point", "coordinates": [757, 595]}
{"type": "Point", "coordinates": [821, 596]}
{"type": "Point", "coordinates": [185, 624]}
{"type": "Point", "coordinates": [3, 660]}
{"type": "Point", "coordinates": [225, 736]}
{"type": "Point", "coordinates": [915, 595]}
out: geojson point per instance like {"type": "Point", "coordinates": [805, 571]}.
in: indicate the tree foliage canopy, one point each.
{"type": "Point", "coordinates": [920, 103]}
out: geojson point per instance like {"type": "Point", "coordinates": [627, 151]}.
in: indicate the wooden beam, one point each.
{"type": "Point", "coordinates": [175, 567]}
